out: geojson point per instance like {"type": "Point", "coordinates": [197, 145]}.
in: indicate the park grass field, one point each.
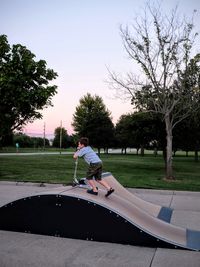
{"type": "Point", "coordinates": [130, 170]}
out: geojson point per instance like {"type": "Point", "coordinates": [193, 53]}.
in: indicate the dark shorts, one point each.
{"type": "Point", "coordinates": [94, 170]}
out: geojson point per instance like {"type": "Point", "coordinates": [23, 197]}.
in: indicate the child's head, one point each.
{"type": "Point", "coordinates": [83, 141]}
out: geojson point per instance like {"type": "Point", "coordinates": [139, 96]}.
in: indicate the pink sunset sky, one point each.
{"type": "Point", "coordinates": [79, 40]}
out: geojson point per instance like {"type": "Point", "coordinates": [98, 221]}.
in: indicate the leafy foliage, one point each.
{"type": "Point", "coordinates": [24, 86]}
{"type": "Point", "coordinates": [161, 45]}
{"type": "Point", "coordinates": [92, 119]}
{"type": "Point", "coordinates": [61, 138]}
{"type": "Point", "coordinates": [139, 130]}
{"type": "Point", "coordinates": [24, 140]}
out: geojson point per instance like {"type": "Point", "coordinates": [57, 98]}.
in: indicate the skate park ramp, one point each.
{"type": "Point", "coordinates": [160, 212]}
{"type": "Point", "coordinates": [73, 213]}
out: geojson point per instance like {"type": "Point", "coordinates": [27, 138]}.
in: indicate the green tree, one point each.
{"type": "Point", "coordinates": [92, 119]}
{"type": "Point", "coordinates": [144, 130]}
{"type": "Point", "coordinates": [61, 138]}
{"type": "Point", "coordinates": [161, 45]}
{"type": "Point", "coordinates": [27, 141]}
{"type": "Point", "coordinates": [38, 142]}
{"type": "Point", "coordinates": [137, 130]}
{"type": "Point", "coordinates": [123, 132]}
{"type": "Point", "coordinates": [24, 87]}
{"type": "Point", "coordinates": [187, 135]}
{"type": "Point", "coordinates": [23, 140]}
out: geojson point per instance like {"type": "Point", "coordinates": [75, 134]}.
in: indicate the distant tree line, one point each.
{"type": "Point", "coordinates": [24, 140]}
{"type": "Point", "coordinates": [61, 140]}
{"type": "Point", "coordinates": [134, 130]}
{"type": "Point", "coordinates": [147, 131]}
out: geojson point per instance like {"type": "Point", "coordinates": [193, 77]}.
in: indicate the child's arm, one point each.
{"type": "Point", "coordinates": [75, 156]}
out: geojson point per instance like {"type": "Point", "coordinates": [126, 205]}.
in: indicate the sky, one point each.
{"type": "Point", "coordinates": [79, 39]}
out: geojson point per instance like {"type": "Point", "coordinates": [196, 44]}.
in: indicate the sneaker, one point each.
{"type": "Point", "coordinates": [109, 192]}
{"type": "Point", "coordinates": [90, 191]}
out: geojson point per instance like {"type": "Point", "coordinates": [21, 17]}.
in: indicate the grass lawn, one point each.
{"type": "Point", "coordinates": [130, 170]}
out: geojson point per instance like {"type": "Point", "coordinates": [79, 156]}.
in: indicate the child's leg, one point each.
{"type": "Point", "coordinates": [92, 184]}
{"type": "Point", "coordinates": [98, 178]}
{"type": "Point", "coordinates": [104, 183]}
{"type": "Point", "coordinates": [89, 177]}
{"type": "Point", "coordinates": [110, 190]}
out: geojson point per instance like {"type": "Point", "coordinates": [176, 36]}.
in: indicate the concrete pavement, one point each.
{"type": "Point", "coordinates": [20, 249]}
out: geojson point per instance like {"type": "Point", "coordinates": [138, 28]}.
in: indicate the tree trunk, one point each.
{"type": "Point", "coordinates": [196, 156]}
{"type": "Point", "coordinates": [105, 150]}
{"type": "Point", "coordinates": [142, 151]}
{"type": "Point", "coordinates": [169, 170]}
{"type": "Point", "coordinates": [165, 157]}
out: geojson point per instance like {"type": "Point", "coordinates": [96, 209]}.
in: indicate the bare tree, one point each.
{"type": "Point", "coordinates": [162, 46]}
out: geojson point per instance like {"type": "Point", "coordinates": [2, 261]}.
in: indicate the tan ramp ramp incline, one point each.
{"type": "Point", "coordinates": [163, 213]}
{"type": "Point", "coordinates": [74, 213]}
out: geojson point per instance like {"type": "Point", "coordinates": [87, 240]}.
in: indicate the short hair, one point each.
{"type": "Point", "coordinates": [84, 141]}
